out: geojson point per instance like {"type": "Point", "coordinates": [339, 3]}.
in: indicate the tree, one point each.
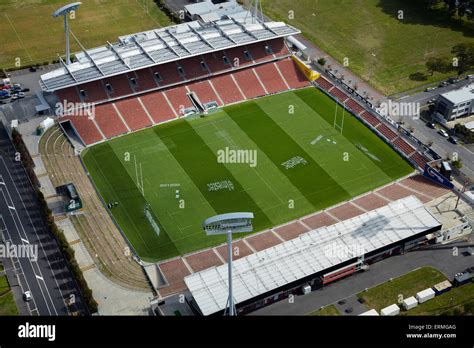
{"type": "Point", "coordinates": [436, 64]}
{"type": "Point", "coordinates": [464, 52]}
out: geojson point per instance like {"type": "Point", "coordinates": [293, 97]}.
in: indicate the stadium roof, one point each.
{"type": "Point", "coordinates": [158, 46]}
{"type": "Point", "coordinates": [310, 253]}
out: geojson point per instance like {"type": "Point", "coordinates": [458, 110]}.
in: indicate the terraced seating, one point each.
{"type": "Point", "coordinates": [371, 119]}
{"type": "Point", "coordinates": [157, 106]}
{"type": "Point", "coordinates": [292, 74]}
{"type": "Point", "coordinates": [324, 83]}
{"type": "Point", "coordinates": [68, 95]}
{"type": "Point", "coordinates": [94, 92]}
{"type": "Point", "coordinates": [419, 159]}
{"type": "Point", "coordinates": [120, 86]}
{"type": "Point", "coordinates": [279, 48]}
{"type": "Point", "coordinates": [109, 121]}
{"type": "Point", "coordinates": [85, 128]}
{"type": "Point", "coordinates": [271, 78]}
{"type": "Point", "coordinates": [168, 74]}
{"type": "Point", "coordinates": [227, 89]}
{"type": "Point", "coordinates": [340, 95]}
{"type": "Point", "coordinates": [133, 113]}
{"type": "Point", "coordinates": [215, 62]}
{"type": "Point", "coordinates": [355, 106]}
{"type": "Point", "coordinates": [406, 148]}
{"type": "Point", "coordinates": [179, 99]}
{"type": "Point", "coordinates": [145, 80]}
{"type": "Point", "coordinates": [387, 132]}
{"type": "Point", "coordinates": [204, 92]}
{"type": "Point", "coordinates": [249, 84]}
{"type": "Point", "coordinates": [237, 58]}
{"type": "Point", "coordinates": [193, 68]}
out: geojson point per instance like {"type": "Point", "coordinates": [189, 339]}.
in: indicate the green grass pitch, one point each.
{"type": "Point", "coordinates": [179, 161]}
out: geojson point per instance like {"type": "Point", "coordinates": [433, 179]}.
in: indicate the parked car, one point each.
{"type": "Point", "coordinates": [27, 296]}
{"type": "Point", "coordinates": [453, 80]}
{"type": "Point", "coordinates": [443, 84]}
{"type": "Point", "coordinates": [432, 101]}
{"type": "Point", "coordinates": [349, 310]}
{"type": "Point", "coordinates": [431, 125]}
{"type": "Point", "coordinates": [33, 69]}
{"type": "Point", "coordinates": [453, 140]}
{"type": "Point", "coordinates": [430, 89]}
{"type": "Point", "coordinates": [25, 90]}
{"type": "Point", "coordinates": [443, 133]}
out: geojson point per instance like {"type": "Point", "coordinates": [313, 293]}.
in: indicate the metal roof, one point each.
{"type": "Point", "coordinates": [310, 253]}
{"type": "Point", "coordinates": [159, 46]}
{"type": "Point", "coordinates": [461, 95]}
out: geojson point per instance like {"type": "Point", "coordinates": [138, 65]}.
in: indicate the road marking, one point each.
{"type": "Point", "coordinates": [24, 241]}
{"type": "Point", "coordinates": [38, 277]}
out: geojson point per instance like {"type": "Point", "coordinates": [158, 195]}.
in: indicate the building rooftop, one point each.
{"type": "Point", "coordinates": [310, 253]}
{"type": "Point", "coordinates": [460, 95]}
{"type": "Point", "coordinates": [159, 46]}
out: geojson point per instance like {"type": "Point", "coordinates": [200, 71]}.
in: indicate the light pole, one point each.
{"type": "Point", "coordinates": [229, 224]}
{"type": "Point", "coordinates": [64, 11]}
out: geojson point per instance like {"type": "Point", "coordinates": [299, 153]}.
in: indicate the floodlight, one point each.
{"type": "Point", "coordinates": [228, 224]}
{"type": "Point", "coordinates": [64, 11]}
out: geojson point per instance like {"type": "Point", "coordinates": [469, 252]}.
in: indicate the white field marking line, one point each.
{"type": "Point", "coordinates": [18, 36]}
{"type": "Point", "coordinates": [29, 260]}
{"type": "Point", "coordinates": [37, 236]}
{"type": "Point", "coordinates": [14, 262]}
{"type": "Point", "coordinates": [259, 80]}
{"type": "Point", "coordinates": [23, 272]}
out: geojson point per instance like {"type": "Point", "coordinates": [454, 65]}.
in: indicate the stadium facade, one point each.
{"type": "Point", "coordinates": [315, 258]}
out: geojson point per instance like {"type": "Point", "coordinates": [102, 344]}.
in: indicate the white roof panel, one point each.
{"type": "Point", "coordinates": [310, 253]}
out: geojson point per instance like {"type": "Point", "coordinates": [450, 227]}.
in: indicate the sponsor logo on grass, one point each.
{"type": "Point", "coordinates": [242, 156]}
{"type": "Point", "coordinates": [293, 162]}
{"type": "Point", "coordinates": [221, 185]}
{"type": "Point", "coordinates": [9, 250]}
{"type": "Point", "coordinates": [66, 108]}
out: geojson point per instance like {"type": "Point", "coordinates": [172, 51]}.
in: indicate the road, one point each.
{"type": "Point", "coordinates": [47, 275]}
{"type": "Point", "coordinates": [441, 145]}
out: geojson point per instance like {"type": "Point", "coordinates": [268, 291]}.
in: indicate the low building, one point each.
{"type": "Point", "coordinates": [425, 295]}
{"type": "Point", "coordinates": [409, 303]}
{"type": "Point", "coordinates": [455, 104]}
{"type": "Point", "coordinates": [390, 310]}
{"type": "Point", "coordinates": [208, 11]}
{"type": "Point", "coordinates": [372, 312]}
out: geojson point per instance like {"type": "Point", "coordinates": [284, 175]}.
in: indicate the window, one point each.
{"type": "Point", "coordinates": [83, 93]}
{"type": "Point", "coordinates": [109, 87]}
{"type": "Point", "coordinates": [226, 60]}
{"type": "Point", "coordinates": [133, 81]}
{"type": "Point", "coordinates": [268, 49]}
{"type": "Point", "coordinates": [158, 76]}
{"type": "Point", "coordinates": [181, 70]}
{"type": "Point", "coordinates": [203, 65]}
{"type": "Point", "coordinates": [247, 55]}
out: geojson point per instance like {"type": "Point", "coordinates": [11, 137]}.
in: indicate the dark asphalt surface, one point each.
{"type": "Point", "coordinates": [48, 278]}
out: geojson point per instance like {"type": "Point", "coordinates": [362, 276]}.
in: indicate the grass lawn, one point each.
{"type": "Point", "coordinates": [459, 299]}
{"type": "Point", "coordinates": [407, 285]}
{"type": "Point", "coordinates": [29, 32]}
{"type": "Point", "coordinates": [7, 303]}
{"type": "Point", "coordinates": [328, 310]}
{"type": "Point", "coordinates": [179, 162]}
{"type": "Point", "coordinates": [381, 48]}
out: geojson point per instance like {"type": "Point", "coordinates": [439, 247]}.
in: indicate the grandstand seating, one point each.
{"type": "Point", "coordinates": [204, 92]}
{"type": "Point", "coordinates": [387, 132]}
{"type": "Point", "coordinates": [279, 48]}
{"type": "Point", "coordinates": [95, 91]}
{"type": "Point", "coordinates": [271, 78]}
{"type": "Point", "coordinates": [419, 159]}
{"type": "Point", "coordinates": [68, 95]}
{"type": "Point", "coordinates": [157, 106]}
{"type": "Point", "coordinates": [324, 83]}
{"type": "Point", "coordinates": [249, 84]}
{"type": "Point", "coordinates": [259, 53]}
{"type": "Point", "coordinates": [227, 89]}
{"type": "Point", "coordinates": [109, 121]}
{"type": "Point", "coordinates": [133, 113]}
{"type": "Point", "coordinates": [292, 74]}
{"type": "Point", "coordinates": [179, 99]}
{"type": "Point", "coordinates": [237, 58]}
{"type": "Point", "coordinates": [406, 148]}
{"type": "Point", "coordinates": [85, 127]}
{"type": "Point", "coordinates": [354, 106]}
{"type": "Point", "coordinates": [120, 86]}
{"type": "Point", "coordinates": [340, 95]}
{"type": "Point", "coordinates": [371, 119]}
{"type": "Point", "coordinates": [145, 80]}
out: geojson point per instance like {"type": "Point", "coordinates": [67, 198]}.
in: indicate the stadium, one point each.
{"type": "Point", "coordinates": [150, 113]}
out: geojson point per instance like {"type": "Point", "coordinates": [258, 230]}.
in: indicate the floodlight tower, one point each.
{"type": "Point", "coordinates": [228, 224]}
{"type": "Point", "coordinates": [64, 11]}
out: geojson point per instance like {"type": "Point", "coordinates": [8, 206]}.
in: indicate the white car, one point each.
{"type": "Point", "coordinates": [27, 296]}
{"type": "Point", "coordinates": [443, 133]}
